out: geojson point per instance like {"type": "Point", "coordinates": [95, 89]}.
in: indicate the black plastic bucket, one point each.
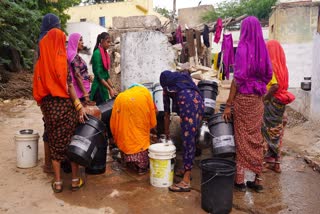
{"type": "Point", "coordinates": [106, 109]}
{"type": "Point", "coordinates": [223, 144]}
{"type": "Point", "coordinates": [217, 180]}
{"type": "Point", "coordinates": [209, 92]}
{"type": "Point", "coordinates": [99, 162]}
{"type": "Point", "coordinates": [223, 107]}
{"type": "Point", "coordinates": [83, 146]}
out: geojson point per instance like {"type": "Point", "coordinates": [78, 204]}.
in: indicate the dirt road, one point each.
{"type": "Point", "coordinates": [295, 190]}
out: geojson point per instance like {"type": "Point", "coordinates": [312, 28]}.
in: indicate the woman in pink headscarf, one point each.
{"type": "Point", "coordinates": [251, 75]}
{"type": "Point", "coordinates": [78, 67]}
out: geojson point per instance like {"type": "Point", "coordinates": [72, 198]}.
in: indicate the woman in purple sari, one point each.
{"type": "Point", "coordinates": [78, 67]}
{"type": "Point", "coordinates": [251, 75]}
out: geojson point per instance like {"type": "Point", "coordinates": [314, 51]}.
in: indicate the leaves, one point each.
{"type": "Point", "coordinates": [233, 8]}
{"type": "Point", "coordinates": [20, 22]}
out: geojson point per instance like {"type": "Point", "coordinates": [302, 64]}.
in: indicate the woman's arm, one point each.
{"type": "Point", "coordinates": [81, 112]}
{"type": "Point", "coordinates": [79, 80]}
{"type": "Point", "coordinates": [272, 90]}
{"type": "Point", "coordinates": [166, 105]}
{"type": "Point", "coordinates": [232, 94]}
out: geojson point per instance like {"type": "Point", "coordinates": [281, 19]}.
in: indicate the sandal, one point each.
{"type": "Point", "coordinates": [80, 184]}
{"type": "Point", "coordinates": [180, 187]}
{"type": "Point", "coordinates": [54, 186]}
{"type": "Point", "coordinates": [256, 187]}
{"type": "Point", "coordinates": [240, 187]}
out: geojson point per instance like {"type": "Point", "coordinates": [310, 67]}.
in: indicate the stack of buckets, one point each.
{"type": "Point", "coordinates": [218, 173]}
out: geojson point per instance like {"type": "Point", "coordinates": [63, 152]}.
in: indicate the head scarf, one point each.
{"type": "Point", "coordinates": [72, 48]}
{"type": "Point", "coordinates": [177, 81]}
{"type": "Point", "coordinates": [51, 69]}
{"type": "Point", "coordinates": [49, 21]}
{"type": "Point", "coordinates": [279, 67]}
{"type": "Point", "coordinates": [252, 64]}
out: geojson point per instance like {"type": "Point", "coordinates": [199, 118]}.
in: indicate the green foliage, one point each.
{"type": "Point", "coordinates": [100, 1]}
{"type": "Point", "coordinates": [233, 8]}
{"type": "Point", "coordinates": [20, 22]}
{"type": "Point", "coordinates": [163, 11]}
{"type": "Point", "coordinates": [58, 8]}
{"type": "Point", "coordinates": [19, 27]}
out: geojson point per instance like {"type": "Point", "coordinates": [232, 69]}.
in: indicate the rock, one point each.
{"type": "Point", "coordinates": [146, 22]}
{"type": "Point", "coordinates": [7, 101]}
{"type": "Point", "coordinates": [197, 75]}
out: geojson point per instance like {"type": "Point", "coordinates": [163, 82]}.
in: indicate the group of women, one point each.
{"type": "Point", "coordinates": [258, 95]}
{"type": "Point", "coordinates": [61, 86]}
{"type": "Point", "coordinates": [258, 112]}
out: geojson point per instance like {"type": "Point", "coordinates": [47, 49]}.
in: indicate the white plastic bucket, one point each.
{"type": "Point", "coordinates": [27, 148]}
{"type": "Point", "coordinates": [162, 164]}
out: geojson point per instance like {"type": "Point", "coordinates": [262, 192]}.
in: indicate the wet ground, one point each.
{"type": "Point", "coordinates": [295, 190]}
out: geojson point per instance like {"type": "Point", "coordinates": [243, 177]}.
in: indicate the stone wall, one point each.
{"type": "Point", "coordinates": [144, 55]}
{"type": "Point", "coordinates": [192, 16]}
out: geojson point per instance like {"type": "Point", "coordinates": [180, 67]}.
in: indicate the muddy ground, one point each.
{"type": "Point", "coordinates": [295, 190]}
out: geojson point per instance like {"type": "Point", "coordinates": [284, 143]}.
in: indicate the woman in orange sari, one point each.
{"type": "Point", "coordinates": [275, 103]}
{"type": "Point", "coordinates": [133, 116]}
{"type": "Point", "coordinates": [53, 90]}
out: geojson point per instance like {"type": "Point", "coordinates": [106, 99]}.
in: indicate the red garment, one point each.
{"type": "Point", "coordinates": [105, 58]}
{"type": "Point", "coordinates": [279, 67]}
{"type": "Point", "coordinates": [51, 69]}
{"type": "Point", "coordinates": [217, 35]}
{"type": "Point", "coordinates": [179, 37]}
{"type": "Point", "coordinates": [247, 133]}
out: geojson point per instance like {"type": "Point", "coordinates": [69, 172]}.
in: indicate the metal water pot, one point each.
{"type": "Point", "coordinates": [205, 138]}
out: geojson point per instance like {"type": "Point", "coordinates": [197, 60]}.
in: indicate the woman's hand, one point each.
{"type": "Point", "coordinates": [91, 77]}
{"type": "Point", "coordinates": [113, 92]}
{"type": "Point", "coordinates": [82, 115]}
{"type": "Point", "coordinates": [227, 113]}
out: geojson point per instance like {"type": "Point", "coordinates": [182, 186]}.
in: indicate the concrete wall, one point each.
{"type": "Point", "coordinates": [144, 55]}
{"type": "Point", "coordinates": [236, 36]}
{"type": "Point", "coordinates": [299, 62]}
{"type": "Point", "coordinates": [89, 32]}
{"type": "Point", "coordinates": [192, 16]}
{"type": "Point", "coordinates": [302, 101]}
{"type": "Point", "coordinates": [294, 24]}
{"type": "Point", "coordinates": [315, 85]}
{"type": "Point", "coordinates": [109, 10]}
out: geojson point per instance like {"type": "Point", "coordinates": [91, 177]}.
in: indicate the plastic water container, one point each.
{"type": "Point", "coordinates": [26, 141]}
{"type": "Point", "coordinates": [162, 164]}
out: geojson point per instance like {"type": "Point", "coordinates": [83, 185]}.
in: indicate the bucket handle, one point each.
{"type": "Point", "coordinates": [207, 181]}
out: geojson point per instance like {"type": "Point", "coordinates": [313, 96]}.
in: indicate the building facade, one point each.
{"type": "Point", "coordinates": [102, 14]}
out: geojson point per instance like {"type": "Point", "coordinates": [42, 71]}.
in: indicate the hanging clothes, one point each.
{"type": "Point", "coordinates": [190, 42]}
{"type": "Point", "coordinates": [198, 42]}
{"type": "Point", "coordinates": [228, 53]}
{"type": "Point", "coordinates": [215, 61]}
{"type": "Point", "coordinates": [206, 36]}
{"type": "Point", "coordinates": [179, 36]}
{"type": "Point", "coordinates": [217, 35]}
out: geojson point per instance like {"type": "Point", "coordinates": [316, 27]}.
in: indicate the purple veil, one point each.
{"type": "Point", "coordinates": [252, 64]}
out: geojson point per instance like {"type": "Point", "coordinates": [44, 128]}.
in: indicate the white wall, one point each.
{"type": "Point", "coordinates": [299, 62]}
{"type": "Point", "coordinates": [144, 55]}
{"type": "Point", "coordinates": [315, 81]}
{"type": "Point", "coordinates": [89, 32]}
{"type": "Point", "coordinates": [236, 36]}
